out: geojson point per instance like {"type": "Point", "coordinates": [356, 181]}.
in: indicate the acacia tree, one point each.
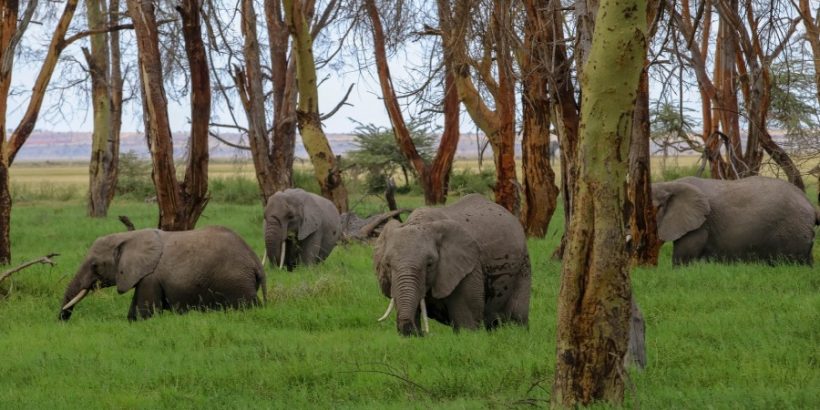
{"type": "Point", "coordinates": [180, 204]}
{"type": "Point", "coordinates": [12, 28]}
{"type": "Point", "coordinates": [494, 71]}
{"type": "Point", "coordinates": [433, 176]}
{"type": "Point", "coordinates": [534, 58]}
{"type": "Point", "coordinates": [595, 295]}
{"type": "Point", "coordinates": [106, 100]}
{"type": "Point", "coordinates": [325, 165]}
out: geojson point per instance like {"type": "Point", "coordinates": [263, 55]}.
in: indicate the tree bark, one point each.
{"type": "Point", "coordinates": [566, 117]}
{"type": "Point", "coordinates": [9, 148]}
{"type": "Point", "coordinates": [180, 205]}
{"type": "Point", "coordinates": [595, 295]}
{"type": "Point", "coordinates": [645, 245]}
{"type": "Point", "coordinates": [432, 177]}
{"type": "Point", "coordinates": [105, 143]}
{"type": "Point", "coordinates": [539, 187]}
{"type": "Point", "coordinates": [813, 37]}
{"type": "Point", "coordinates": [325, 165]}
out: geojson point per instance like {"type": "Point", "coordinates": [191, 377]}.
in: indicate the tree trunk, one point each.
{"type": "Point", "coordinates": [252, 95]}
{"type": "Point", "coordinates": [645, 245]}
{"type": "Point", "coordinates": [105, 146]}
{"type": "Point", "coordinates": [566, 118]}
{"type": "Point", "coordinates": [195, 186]}
{"type": "Point", "coordinates": [325, 164]}
{"type": "Point", "coordinates": [539, 187]}
{"type": "Point", "coordinates": [9, 148]}
{"type": "Point", "coordinates": [116, 85]}
{"type": "Point", "coordinates": [595, 295]}
{"type": "Point", "coordinates": [285, 92]}
{"type": "Point", "coordinates": [813, 37]}
{"type": "Point", "coordinates": [180, 205]}
{"type": "Point", "coordinates": [439, 174]}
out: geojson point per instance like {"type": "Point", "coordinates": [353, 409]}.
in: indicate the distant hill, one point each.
{"type": "Point", "coordinates": [44, 145]}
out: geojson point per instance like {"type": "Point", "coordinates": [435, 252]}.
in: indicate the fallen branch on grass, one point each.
{"type": "Point", "coordinates": [127, 222]}
{"type": "Point", "coordinates": [45, 260]}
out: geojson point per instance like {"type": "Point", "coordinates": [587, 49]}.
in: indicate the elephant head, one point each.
{"type": "Point", "coordinates": [288, 215]}
{"type": "Point", "coordinates": [121, 259]}
{"type": "Point", "coordinates": [418, 257]}
{"type": "Point", "coordinates": [681, 208]}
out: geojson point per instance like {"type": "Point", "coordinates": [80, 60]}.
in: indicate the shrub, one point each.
{"type": "Point", "coordinates": [134, 180]}
{"type": "Point", "coordinates": [674, 172]}
{"type": "Point", "coordinates": [468, 182]}
{"type": "Point", "coordinates": [234, 189]}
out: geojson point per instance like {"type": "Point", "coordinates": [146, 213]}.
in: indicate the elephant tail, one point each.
{"type": "Point", "coordinates": [817, 216]}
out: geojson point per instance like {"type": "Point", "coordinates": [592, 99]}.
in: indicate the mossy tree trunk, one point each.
{"type": "Point", "coordinates": [595, 295]}
{"type": "Point", "coordinates": [105, 138]}
{"type": "Point", "coordinates": [325, 164]}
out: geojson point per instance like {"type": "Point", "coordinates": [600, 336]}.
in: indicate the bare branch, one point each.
{"type": "Point", "coordinates": [228, 143]}
{"type": "Point", "coordinates": [339, 105]}
{"type": "Point", "coordinates": [44, 260]}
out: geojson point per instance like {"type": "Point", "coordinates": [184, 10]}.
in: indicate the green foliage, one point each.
{"type": "Point", "coordinates": [378, 154]}
{"type": "Point", "coordinates": [794, 107]}
{"type": "Point", "coordinates": [470, 182]}
{"type": "Point", "coordinates": [134, 179]}
{"type": "Point", "coordinates": [235, 189]}
{"type": "Point", "coordinates": [44, 190]}
{"type": "Point", "coordinates": [672, 127]}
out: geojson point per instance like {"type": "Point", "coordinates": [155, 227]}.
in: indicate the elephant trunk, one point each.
{"type": "Point", "coordinates": [408, 299]}
{"type": "Point", "coordinates": [76, 290]}
{"type": "Point", "coordinates": [275, 243]}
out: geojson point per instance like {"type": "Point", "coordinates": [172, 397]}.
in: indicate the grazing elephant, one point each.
{"type": "Point", "coordinates": [300, 227]}
{"type": "Point", "coordinates": [462, 265]}
{"type": "Point", "coordinates": [204, 268]}
{"type": "Point", "coordinates": [751, 219]}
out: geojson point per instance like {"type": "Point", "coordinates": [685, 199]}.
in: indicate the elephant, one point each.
{"type": "Point", "coordinates": [462, 265]}
{"type": "Point", "coordinates": [204, 269]}
{"type": "Point", "coordinates": [300, 227]}
{"type": "Point", "coordinates": [751, 219]}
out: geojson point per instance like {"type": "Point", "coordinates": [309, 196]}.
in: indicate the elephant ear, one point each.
{"type": "Point", "coordinates": [137, 256]}
{"type": "Point", "coordinates": [382, 273]}
{"type": "Point", "coordinates": [683, 208]}
{"type": "Point", "coordinates": [458, 257]}
{"type": "Point", "coordinates": [310, 218]}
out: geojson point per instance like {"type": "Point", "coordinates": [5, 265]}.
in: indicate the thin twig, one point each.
{"type": "Point", "coordinates": [45, 260]}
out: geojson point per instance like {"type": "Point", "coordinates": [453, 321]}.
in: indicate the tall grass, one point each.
{"type": "Point", "coordinates": [718, 336]}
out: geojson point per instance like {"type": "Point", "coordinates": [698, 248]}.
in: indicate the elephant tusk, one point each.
{"type": "Point", "coordinates": [282, 256]}
{"type": "Point", "coordinates": [264, 258]}
{"type": "Point", "coordinates": [425, 325]}
{"type": "Point", "coordinates": [389, 309]}
{"type": "Point", "coordinates": [76, 299]}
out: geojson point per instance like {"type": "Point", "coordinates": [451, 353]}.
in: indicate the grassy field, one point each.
{"type": "Point", "coordinates": [740, 336]}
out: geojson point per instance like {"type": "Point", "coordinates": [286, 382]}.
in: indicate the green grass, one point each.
{"type": "Point", "coordinates": [742, 336]}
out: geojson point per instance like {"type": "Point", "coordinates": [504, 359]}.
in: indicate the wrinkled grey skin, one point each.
{"type": "Point", "coordinates": [205, 268]}
{"type": "Point", "coordinates": [752, 219]}
{"type": "Point", "coordinates": [308, 224]}
{"type": "Point", "coordinates": [468, 260]}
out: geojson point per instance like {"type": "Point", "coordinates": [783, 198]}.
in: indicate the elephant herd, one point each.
{"type": "Point", "coordinates": [465, 265]}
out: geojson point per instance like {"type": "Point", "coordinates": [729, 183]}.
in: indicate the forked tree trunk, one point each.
{"type": "Point", "coordinates": [325, 165]}
{"type": "Point", "coordinates": [595, 295]}
{"type": "Point", "coordinates": [539, 188]}
{"type": "Point", "coordinates": [180, 205]}
{"type": "Point", "coordinates": [432, 177]}
{"type": "Point", "coordinates": [9, 148]}
{"type": "Point", "coordinates": [105, 141]}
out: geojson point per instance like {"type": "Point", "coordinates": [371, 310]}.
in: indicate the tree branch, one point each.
{"type": "Point", "coordinates": [44, 260]}
{"type": "Point", "coordinates": [228, 143]}
{"type": "Point", "coordinates": [339, 105]}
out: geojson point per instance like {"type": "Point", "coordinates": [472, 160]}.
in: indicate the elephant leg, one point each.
{"type": "Point", "coordinates": [689, 247]}
{"type": "Point", "coordinates": [147, 298]}
{"type": "Point", "coordinates": [466, 304]}
{"type": "Point", "coordinates": [309, 249]}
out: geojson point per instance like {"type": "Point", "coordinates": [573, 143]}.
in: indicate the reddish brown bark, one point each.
{"type": "Point", "coordinates": [645, 245]}
{"type": "Point", "coordinates": [283, 76]}
{"type": "Point", "coordinates": [433, 176]}
{"type": "Point", "coordinates": [539, 188]}
{"type": "Point", "coordinates": [180, 205]}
